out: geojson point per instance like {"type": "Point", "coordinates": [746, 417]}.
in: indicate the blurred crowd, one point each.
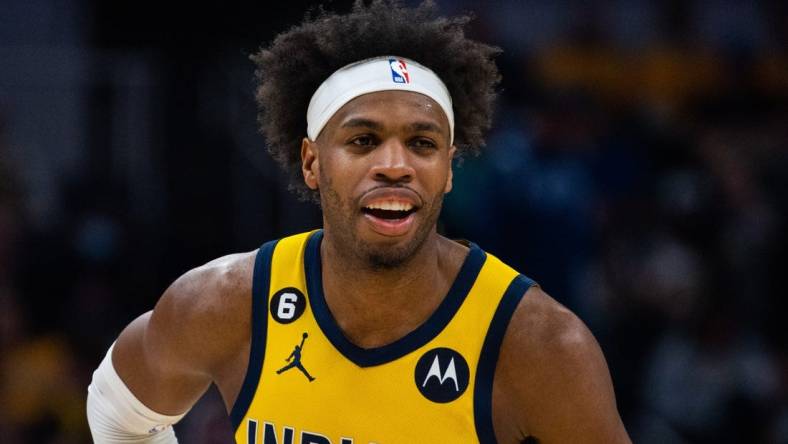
{"type": "Point", "coordinates": [637, 168]}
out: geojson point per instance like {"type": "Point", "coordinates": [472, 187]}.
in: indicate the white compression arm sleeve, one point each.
{"type": "Point", "coordinates": [116, 416]}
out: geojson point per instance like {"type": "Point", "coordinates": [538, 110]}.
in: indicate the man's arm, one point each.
{"type": "Point", "coordinates": [552, 382]}
{"type": "Point", "coordinates": [167, 358]}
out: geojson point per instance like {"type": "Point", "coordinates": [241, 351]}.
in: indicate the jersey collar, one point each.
{"type": "Point", "coordinates": [367, 357]}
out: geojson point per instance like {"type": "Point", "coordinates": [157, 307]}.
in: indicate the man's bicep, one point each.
{"type": "Point", "coordinates": [580, 404]}
{"type": "Point", "coordinates": [558, 374]}
{"type": "Point", "coordinates": [152, 358]}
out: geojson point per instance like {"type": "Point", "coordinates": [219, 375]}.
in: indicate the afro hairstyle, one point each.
{"type": "Point", "coordinates": [291, 69]}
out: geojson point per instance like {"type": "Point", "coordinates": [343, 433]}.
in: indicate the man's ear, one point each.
{"type": "Point", "coordinates": [309, 163]}
{"type": "Point", "coordinates": [450, 176]}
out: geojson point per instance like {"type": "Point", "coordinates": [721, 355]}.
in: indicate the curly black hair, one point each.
{"type": "Point", "coordinates": [300, 59]}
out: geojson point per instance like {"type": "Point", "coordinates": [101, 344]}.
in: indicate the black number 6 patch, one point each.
{"type": "Point", "coordinates": [287, 305]}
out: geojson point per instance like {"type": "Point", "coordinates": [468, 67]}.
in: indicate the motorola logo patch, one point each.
{"type": "Point", "coordinates": [287, 305]}
{"type": "Point", "coordinates": [441, 375]}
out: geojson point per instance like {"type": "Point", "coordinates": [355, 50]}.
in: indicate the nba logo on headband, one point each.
{"type": "Point", "coordinates": [372, 75]}
{"type": "Point", "coordinates": [399, 71]}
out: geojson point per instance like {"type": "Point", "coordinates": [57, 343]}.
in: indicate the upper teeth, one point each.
{"type": "Point", "coordinates": [391, 206]}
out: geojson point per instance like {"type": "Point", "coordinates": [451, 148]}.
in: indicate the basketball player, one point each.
{"type": "Point", "coordinates": [412, 337]}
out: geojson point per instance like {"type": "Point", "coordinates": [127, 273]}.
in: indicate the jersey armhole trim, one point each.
{"type": "Point", "coordinates": [488, 359]}
{"type": "Point", "coordinates": [261, 281]}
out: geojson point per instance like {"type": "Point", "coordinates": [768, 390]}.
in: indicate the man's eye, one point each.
{"type": "Point", "coordinates": [423, 143]}
{"type": "Point", "coordinates": [362, 141]}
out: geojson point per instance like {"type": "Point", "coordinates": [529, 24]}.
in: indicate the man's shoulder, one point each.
{"type": "Point", "coordinates": [550, 363]}
{"type": "Point", "coordinates": [540, 324]}
{"type": "Point", "coordinates": [221, 285]}
{"type": "Point", "coordinates": [201, 321]}
{"type": "Point", "coordinates": [227, 273]}
{"type": "Point", "coordinates": [215, 281]}
{"type": "Point", "coordinates": [206, 311]}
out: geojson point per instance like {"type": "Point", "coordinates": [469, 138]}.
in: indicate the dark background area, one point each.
{"type": "Point", "coordinates": [638, 169]}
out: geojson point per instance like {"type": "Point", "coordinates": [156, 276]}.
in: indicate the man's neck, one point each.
{"type": "Point", "coordinates": [375, 307]}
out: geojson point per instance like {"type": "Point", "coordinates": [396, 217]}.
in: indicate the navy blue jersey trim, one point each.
{"type": "Point", "coordinates": [485, 371]}
{"type": "Point", "coordinates": [261, 281]}
{"type": "Point", "coordinates": [367, 357]}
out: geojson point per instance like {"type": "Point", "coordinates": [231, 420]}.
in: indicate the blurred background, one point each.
{"type": "Point", "coordinates": [638, 169]}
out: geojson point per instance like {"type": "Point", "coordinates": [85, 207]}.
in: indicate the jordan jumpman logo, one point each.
{"type": "Point", "coordinates": [296, 360]}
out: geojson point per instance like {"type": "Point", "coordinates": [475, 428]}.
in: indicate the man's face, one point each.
{"type": "Point", "coordinates": [382, 165]}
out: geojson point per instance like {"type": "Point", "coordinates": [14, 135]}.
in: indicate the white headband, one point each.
{"type": "Point", "coordinates": [377, 74]}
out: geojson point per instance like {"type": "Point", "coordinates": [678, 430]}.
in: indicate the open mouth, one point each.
{"type": "Point", "coordinates": [389, 209]}
{"type": "Point", "coordinates": [388, 214]}
{"type": "Point", "coordinates": [391, 213]}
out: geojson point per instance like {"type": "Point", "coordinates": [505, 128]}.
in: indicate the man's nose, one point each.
{"type": "Point", "coordinates": [392, 162]}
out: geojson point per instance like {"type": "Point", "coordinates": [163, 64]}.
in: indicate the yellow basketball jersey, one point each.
{"type": "Point", "coordinates": [308, 384]}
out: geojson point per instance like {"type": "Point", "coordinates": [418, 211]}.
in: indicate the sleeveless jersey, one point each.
{"type": "Point", "coordinates": [307, 383]}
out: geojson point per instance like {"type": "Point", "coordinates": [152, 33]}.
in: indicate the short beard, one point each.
{"type": "Point", "coordinates": [392, 258]}
{"type": "Point", "coordinates": [376, 259]}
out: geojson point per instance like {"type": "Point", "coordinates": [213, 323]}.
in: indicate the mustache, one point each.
{"type": "Point", "coordinates": [392, 186]}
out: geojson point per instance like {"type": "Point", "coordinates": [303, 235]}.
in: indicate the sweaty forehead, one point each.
{"type": "Point", "coordinates": [386, 105]}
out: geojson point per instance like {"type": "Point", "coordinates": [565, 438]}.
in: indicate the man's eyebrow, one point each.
{"type": "Point", "coordinates": [419, 126]}
{"type": "Point", "coordinates": [362, 123]}
{"type": "Point", "coordinates": [425, 126]}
